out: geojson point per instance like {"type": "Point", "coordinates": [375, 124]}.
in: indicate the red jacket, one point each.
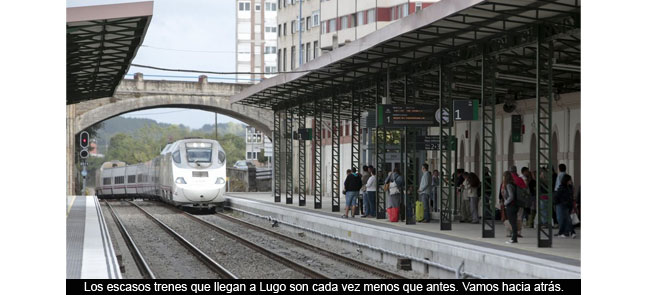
{"type": "Point", "coordinates": [519, 181]}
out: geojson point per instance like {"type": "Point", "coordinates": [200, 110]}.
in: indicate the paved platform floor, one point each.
{"type": "Point", "coordinates": [564, 250]}
{"type": "Point", "coordinates": [89, 252]}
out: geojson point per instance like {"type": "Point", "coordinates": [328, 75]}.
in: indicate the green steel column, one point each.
{"type": "Point", "coordinates": [411, 184]}
{"type": "Point", "coordinates": [445, 156]}
{"type": "Point", "coordinates": [277, 135]}
{"type": "Point", "coordinates": [544, 130]}
{"type": "Point", "coordinates": [301, 158]}
{"type": "Point", "coordinates": [380, 150]}
{"type": "Point", "coordinates": [355, 139]}
{"type": "Point", "coordinates": [488, 98]}
{"type": "Point", "coordinates": [289, 155]}
{"type": "Point", "coordinates": [336, 134]}
{"type": "Point", "coordinates": [318, 189]}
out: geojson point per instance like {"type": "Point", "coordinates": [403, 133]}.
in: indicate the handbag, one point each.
{"type": "Point", "coordinates": [393, 188]}
{"type": "Point", "coordinates": [574, 218]}
{"type": "Point", "coordinates": [386, 187]}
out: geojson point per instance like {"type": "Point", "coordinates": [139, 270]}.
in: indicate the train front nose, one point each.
{"type": "Point", "coordinates": [200, 193]}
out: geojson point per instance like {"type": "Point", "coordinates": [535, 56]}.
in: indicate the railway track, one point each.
{"type": "Point", "coordinates": [343, 260]}
{"type": "Point", "coordinates": [296, 267]}
{"type": "Point", "coordinates": [152, 253]}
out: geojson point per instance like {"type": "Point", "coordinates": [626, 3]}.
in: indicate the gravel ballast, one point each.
{"type": "Point", "coordinates": [242, 261]}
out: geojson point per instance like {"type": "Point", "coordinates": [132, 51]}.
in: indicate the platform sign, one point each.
{"type": "Point", "coordinates": [433, 142]}
{"type": "Point", "coordinates": [517, 128]}
{"type": "Point", "coordinates": [465, 109]}
{"type": "Point", "coordinates": [408, 115]}
{"type": "Point", "coordinates": [305, 134]}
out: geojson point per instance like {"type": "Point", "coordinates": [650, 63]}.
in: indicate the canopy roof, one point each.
{"type": "Point", "coordinates": [101, 42]}
{"type": "Point", "coordinates": [452, 34]}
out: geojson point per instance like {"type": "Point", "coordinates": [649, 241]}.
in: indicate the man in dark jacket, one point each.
{"type": "Point", "coordinates": [352, 185]}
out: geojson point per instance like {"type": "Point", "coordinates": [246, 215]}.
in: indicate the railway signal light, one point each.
{"type": "Point", "coordinates": [84, 140]}
{"type": "Point", "coordinates": [84, 154]}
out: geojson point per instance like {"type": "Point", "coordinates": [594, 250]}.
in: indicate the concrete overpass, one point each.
{"type": "Point", "coordinates": [139, 94]}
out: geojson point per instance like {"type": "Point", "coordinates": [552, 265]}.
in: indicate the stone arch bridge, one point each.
{"type": "Point", "coordinates": [139, 94]}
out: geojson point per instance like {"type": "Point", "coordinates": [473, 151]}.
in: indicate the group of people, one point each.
{"type": "Point", "coordinates": [513, 213]}
{"type": "Point", "coordinates": [469, 185]}
{"type": "Point", "coordinates": [364, 184]}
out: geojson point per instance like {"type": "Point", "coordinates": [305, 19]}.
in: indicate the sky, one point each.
{"type": "Point", "coordinates": [184, 34]}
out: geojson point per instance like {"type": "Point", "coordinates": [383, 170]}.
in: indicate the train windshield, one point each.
{"type": "Point", "coordinates": [199, 152]}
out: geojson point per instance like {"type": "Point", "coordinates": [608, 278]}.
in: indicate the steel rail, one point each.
{"type": "Point", "coordinates": [268, 253]}
{"type": "Point", "coordinates": [213, 265]}
{"type": "Point", "coordinates": [343, 259]}
{"type": "Point", "coordinates": [141, 263]}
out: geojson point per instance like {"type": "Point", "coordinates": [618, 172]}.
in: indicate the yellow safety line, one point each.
{"type": "Point", "coordinates": [70, 206]}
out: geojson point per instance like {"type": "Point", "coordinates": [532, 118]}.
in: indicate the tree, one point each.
{"type": "Point", "coordinates": [261, 157]}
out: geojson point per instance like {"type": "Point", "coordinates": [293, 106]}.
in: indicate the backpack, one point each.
{"type": "Point", "coordinates": [522, 197]}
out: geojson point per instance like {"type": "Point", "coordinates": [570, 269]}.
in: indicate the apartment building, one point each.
{"type": "Point", "coordinates": [256, 44]}
{"type": "Point", "coordinates": [328, 24]}
{"type": "Point", "coordinates": [256, 142]}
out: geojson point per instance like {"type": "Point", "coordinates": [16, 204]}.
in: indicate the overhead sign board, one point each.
{"type": "Point", "coordinates": [435, 142]}
{"type": "Point", "coordinates": [410, 115]}
{"type": "Point", "coordinates": [517, 128]}
{"type": "Point", "coordinates": [465, 109]}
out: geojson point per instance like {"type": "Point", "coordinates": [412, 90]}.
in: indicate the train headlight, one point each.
{"type": "Point", "coordinates": [180, 180]}
{"type": "Point", "coordinates": [220, 180]}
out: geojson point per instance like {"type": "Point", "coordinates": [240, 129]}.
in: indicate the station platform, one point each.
{"type": "Point", "coordinates": [463, 245]}
{"type": "Point", "coordinates": [89, 250]}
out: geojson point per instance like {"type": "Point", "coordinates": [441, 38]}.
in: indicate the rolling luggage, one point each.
{"type": "Point", "coordinates": [393, 214]}
{"type": "Point", "coordinates": [419, 211]}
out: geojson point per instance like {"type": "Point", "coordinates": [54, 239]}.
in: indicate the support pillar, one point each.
{"type": "Point", "coordinates": [488, 182]}
{"type": "Point", "coordinates": [318, 139]}
{"type": "Point", "coordinates": [277, 136]}
{"type": "Point", "coordinates": [355, 140]}
{"type": "Point", "coordinates": [302, 116]}
{"type": "Point", "coordinates": [445, 156]}
{"type": "Point", "coordinates": [288, 134]}
{"type": "Point", "coordinates": [544, 89]}
{"type": "Point", "coordinates": [380, 152]}
{"type": "Point", "coordinates": [336, 133]}
{"type": "Point", "coordinates": [409, 158]}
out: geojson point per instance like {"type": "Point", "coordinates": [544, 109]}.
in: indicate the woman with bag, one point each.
{"type": "Point", "coordinates": [396, 184]}
{"type": "Point", "coordinates": [509, 195]}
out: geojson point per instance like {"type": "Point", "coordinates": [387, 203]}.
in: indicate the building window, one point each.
{"type": "Point", "coordinates": [316, 19]}
{"type": "Point", "coordinates": [308, 23]}
{"type": "Point", "coordinates": [279, 58]}
{"type": "Point", "coordinates": [284, 57]}
{"type": "Point", "coordinates": [270, 70]}
{"type": "Point", "coordinates": [323, 27]}
{"type": "Point", "coordinates": [308, 51]}
{"type": "Point", "coordinates": [344, 23]}
{"type": "Point", "coordinates": [244, 6]}
{"type": "Point", "coordinates": [293, 27]}
{"type": "Point", "coordinates": [271, 29]}
{"type": "Point", "coordinates": [258, 7]}
{"type": "Point", "coordinates": [131, 179]}
{"type": "Point", "coordinates": [249, 156]}
{"type": "Point", "coordinates": [106, 181]}
{"type": "Point", "coordinates": [315, 49]}
{"type": "Point", "coordinates": [353, 20]}
{"type": "Point", "coordinates": [119, 179]}
{"type": "Point", "coordinates": [371, 15]}
{"type": "Point", "coordinates": [270, 50]}
{"type": "Point", "coordinates": [279, 30]}
{"type": "Point", "coordinates": [360, 18]}
{"type": "Point", "coordinates": [419, 6]}
{"type": "Point", "coordinates": [405, 9]}
{"type": "Point", "coordinates": [302, 25]}
{"type": "Point", "coordinates": [333, 25]}
{"type": "Point", "coordinates": [293, 57]}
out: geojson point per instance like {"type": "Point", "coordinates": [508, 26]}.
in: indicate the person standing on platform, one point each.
{"type": "Point", "coordinates": [365, 176]}
{"type": "Point", "coordinates": [532, 185]}
{"type": "Point", "coordinates": [518, 181]}
{"type": "Point", "coordinates": [509, 195]}
{"type": "Point", "coordinates": [371, 188]}
{"type": "Point", "coordinates": [352, 185]}
{"type": "Point", "coordinates": [395, 179]}
{"type": "Point", "coordinates": [563, 206]}
{"type": "Point", "coordinates": [425, 191]}
{"type": "Point", "coordinates": [471, 186]}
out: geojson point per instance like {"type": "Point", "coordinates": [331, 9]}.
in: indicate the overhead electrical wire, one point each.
{"type": "Point", "coordinates": [216, 73]}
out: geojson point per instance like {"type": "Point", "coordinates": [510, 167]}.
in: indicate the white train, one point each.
{"type": "Point", "coordinates": [188, 172]}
